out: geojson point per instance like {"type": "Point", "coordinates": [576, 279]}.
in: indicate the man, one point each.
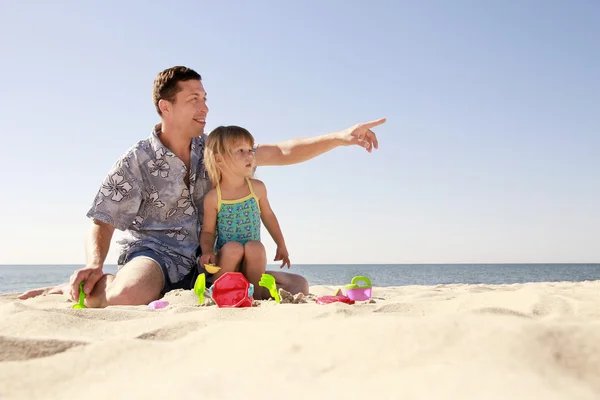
{"type": "Point", "coordinates": [155, 191]}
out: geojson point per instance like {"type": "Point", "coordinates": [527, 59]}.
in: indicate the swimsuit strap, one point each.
{"type": "Point", "coordinates": [219, 197]}
{"type": "Point", "coordinates": [252, 193]}
{"type": "Point", "coordinates": [251, 188]}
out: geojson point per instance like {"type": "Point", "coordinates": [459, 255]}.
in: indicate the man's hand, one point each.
{"type": "Point", "coordinates": [281, 254]}
{"type": "Point", "coordinates": [207, 258]}
{"type": "Point", "coordinates": [362, 135]}
{"type": "Point", "coordinates": [90, 275]}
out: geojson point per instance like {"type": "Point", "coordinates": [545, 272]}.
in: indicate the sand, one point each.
{"type": "Point", "coordinates": [413, 342]}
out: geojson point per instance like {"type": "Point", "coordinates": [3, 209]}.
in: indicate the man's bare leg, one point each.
{"type": "Point", "coordinates": [289, 282]}
{"type": "Point", "coordinates": [254, 265]}
{"type": "Point", "coordinates": [138, 282]}
{"type": "Point", "coordinates": [59, 289]}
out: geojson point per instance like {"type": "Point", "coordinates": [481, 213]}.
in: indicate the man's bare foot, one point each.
{"type": "Point", "coordinates": [60, 289]}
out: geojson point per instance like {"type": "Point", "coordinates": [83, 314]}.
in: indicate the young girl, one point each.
{"type": "Point", "coordinates": [234, 208]}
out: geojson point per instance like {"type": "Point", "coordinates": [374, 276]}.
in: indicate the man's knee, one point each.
{"type": "Point", "coordinates": [291, 282]}
{"type": "Point", "coordinates": [300, 285]}
{"type": "Point", "coordinates": [137, 283]}
{"type": "Point", "coordinates": [130, 295]}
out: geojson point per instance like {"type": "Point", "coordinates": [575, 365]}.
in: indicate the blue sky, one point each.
{"type": "Point", "coordinates": [490, 152]}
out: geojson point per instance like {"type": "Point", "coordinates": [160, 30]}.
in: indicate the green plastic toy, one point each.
{"type": "Point", "coordinates": [268, 282]}
{"type": "Point", "coordinates": [355, 283]}
{"type": "Point", "coordinates": [81, 297]}
{"type": "Point", "coordinates": [200, 287]}
{"type": "Point", "coordinates": [356, 291]}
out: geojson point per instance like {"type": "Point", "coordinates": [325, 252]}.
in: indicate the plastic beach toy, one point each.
{"type": "Point", "coordinates": [232, 290]}
{"type": "Point", "coordinates": [81, 297]}
{"type": "Point", "coordinates": [211, 268]}
{"type": "Point", "coordinates": [354, 292]}
{"type": "Point", "coordinates": [157, 304]}
{"type": "Point", "coordinates": [268, 281]}
{"type": "Point", "coordinates": [334, 299]}
{"type": "Point", "coordinates": [359, 292]}
{"type": "Point", "coordinates": [199, 288]}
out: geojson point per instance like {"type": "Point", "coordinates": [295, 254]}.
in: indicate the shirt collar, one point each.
{"type": "Point", "coordinates": [155, 142]}
{"type": "Point", "coordinates": [158, 146]}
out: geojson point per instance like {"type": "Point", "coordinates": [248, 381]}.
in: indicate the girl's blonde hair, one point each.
{"type": "Point", "coordinates": [220, 142]}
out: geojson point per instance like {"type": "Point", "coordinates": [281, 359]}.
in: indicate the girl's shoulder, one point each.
{"type": "Point", "coordinates": [211, 196]}
{"type": "Point", "coordinates": [255, 182]}
{"type": "Point", "coordinates": [258, 186]}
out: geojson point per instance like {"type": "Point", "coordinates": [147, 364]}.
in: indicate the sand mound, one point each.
{"type": "Point", "coordinates": [413, 342]}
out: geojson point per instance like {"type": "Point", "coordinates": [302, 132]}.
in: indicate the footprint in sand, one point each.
{"type": "Point", "coordinates": [14, 349]}
{"type": "Point", "coordinates": [552, 304]}
{"type": "Point", "coordinates": [172, 332]}
{"type": "Point", "coordinates": [501, 311]}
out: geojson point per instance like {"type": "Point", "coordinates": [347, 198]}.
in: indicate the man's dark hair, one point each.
{"type": "Point", "coordinates": [166, 84]}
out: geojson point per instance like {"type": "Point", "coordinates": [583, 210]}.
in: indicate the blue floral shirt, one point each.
{"type": "Point", "coordinates": [145, 195]}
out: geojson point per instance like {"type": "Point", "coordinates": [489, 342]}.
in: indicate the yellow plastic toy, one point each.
{"type": "Point", "coordinates": [211, 268]}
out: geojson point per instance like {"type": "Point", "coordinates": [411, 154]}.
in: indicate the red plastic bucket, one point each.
{"type": "Point", "coordinates": [231, 290]}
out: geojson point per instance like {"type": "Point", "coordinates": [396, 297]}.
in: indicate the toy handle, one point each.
{"type": "Point", "coordinates": [250, 293]}
{"type": "Point", "coordinates": [239, 303]}
{"type": "Point", "coordinates": [364, 279]}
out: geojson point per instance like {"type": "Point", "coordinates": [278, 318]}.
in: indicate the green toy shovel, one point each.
{"type": "Point", "coordinates": [268, 282]}
{"type": "Point", "coordinates": [81, 297]}
{"type": "Point", "coordinates": [199, 288]}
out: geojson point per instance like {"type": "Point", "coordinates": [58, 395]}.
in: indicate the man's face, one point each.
{"type": "Point", "coordinates": [188, 112]}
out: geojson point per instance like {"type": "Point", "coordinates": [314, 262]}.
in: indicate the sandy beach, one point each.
{"type": "Point", "coordinates": [412, 342]}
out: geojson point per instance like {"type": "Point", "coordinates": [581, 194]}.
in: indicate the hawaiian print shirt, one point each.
{"type": "Point", "coordinates": [145, 195]}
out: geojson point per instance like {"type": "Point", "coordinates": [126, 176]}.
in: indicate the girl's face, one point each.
{"type": "Point", "coordinates": [242, 159]}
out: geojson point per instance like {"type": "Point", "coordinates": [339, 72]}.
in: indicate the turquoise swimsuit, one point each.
{"type": "Point", "coordinates": [237, 220]}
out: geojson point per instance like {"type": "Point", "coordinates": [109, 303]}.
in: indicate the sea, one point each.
{"type": "Point", "coordinates": [18, 278]}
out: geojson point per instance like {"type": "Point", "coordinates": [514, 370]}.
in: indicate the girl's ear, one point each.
{"type": "Point", "coordinates": [218, 158]}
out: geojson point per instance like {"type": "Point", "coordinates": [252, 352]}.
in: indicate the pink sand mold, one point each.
{"type": "Point", "coordinates": [157, 304]}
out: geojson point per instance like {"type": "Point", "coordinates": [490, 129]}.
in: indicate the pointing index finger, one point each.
{"type": "Point", "coordinates": [374, 123]}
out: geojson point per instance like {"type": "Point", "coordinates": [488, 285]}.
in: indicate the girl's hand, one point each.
{"type": "Point", "coordinates": [207, 258]}
{"type": "Point", "coordinates": [282, 255]}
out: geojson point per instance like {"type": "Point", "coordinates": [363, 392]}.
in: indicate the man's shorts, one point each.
{"type": "Point", "coordinates": [186, 283]}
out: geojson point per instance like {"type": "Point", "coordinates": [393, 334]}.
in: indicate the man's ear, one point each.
{"type": "Point", "coordinates": [164, 106]}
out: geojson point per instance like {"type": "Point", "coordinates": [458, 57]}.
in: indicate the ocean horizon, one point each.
{"type": "Point", "coordinates": [15, 278]}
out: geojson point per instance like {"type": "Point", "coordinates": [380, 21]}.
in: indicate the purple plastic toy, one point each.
{"type": "Point", "coordinates": [358, 292]}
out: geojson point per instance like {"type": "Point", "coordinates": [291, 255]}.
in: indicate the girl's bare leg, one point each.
{"type": "Point", "coordinates": [254, 265]}
{"type": "Point", "coordinates": [229, 258]}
